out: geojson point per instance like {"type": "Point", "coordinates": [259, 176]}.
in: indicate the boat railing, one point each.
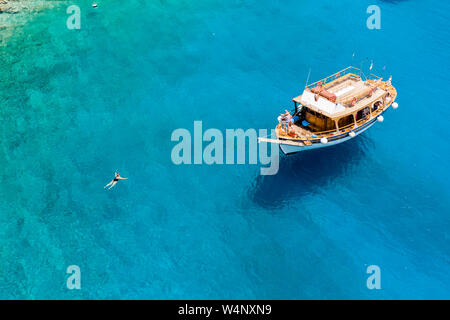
{"type": "Point", "coordinates": [353, 70]}
{"type": "Point", "coordinates": [334, 130]}
{"type": "Point", "coordinates": [374, 77]}
{"type": "Point", "coordinates": [322, 133]}
{"type": "Point", "coordinates": [362, 120]}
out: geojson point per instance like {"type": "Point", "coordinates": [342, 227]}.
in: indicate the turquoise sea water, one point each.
{"type": "Point", "coordinates": [77, 105]}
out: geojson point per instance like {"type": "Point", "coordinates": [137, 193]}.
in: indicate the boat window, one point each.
{"type": "Point", "coordinates": [362, 114]}
{"type": "Point", "coordinates": [376, 105]}
{"type": "Point", "coordinates": [345, 121]}
{"type": "Point", "coordinates": [317, 121]}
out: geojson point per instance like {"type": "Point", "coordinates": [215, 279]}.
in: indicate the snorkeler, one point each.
{"type": "Point", "coordinates": [114, 181]}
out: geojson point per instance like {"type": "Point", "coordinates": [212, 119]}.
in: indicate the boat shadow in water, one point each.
{"type": "Point", "coordinates": [306, 172]}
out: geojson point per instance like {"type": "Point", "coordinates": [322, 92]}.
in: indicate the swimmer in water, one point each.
{"type": "Point", "coordinates": [114, 181]}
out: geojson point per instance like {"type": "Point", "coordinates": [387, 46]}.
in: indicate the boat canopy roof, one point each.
{"type": "Point", "coordinates": [322, 105]}
{"type": "Point", "coordinates": [344, 94]}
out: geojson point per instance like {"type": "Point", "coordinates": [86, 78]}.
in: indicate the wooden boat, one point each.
{"type": "Point", "coordinates": [333, 110]}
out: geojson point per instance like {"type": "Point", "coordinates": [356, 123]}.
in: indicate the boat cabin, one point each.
{"type": "Point", "coordinates": [337, 103]}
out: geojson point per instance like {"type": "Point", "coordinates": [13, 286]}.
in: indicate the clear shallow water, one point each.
{"type": "Point", "coordinates": [78, 105]}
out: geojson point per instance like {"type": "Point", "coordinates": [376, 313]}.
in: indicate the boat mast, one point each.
{"type": "Point", "coordinates": [306, 84]}
{"type": "Point", "coordinates": [307, 79]}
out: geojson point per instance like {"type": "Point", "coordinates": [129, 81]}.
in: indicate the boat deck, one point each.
{"type": "Point", "coordinates": [348, 90]}
{"type": "Point", "coordinates": [301, 132]}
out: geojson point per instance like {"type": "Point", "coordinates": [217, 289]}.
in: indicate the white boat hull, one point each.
{"type": "Point", "coordinates": [290, 149]}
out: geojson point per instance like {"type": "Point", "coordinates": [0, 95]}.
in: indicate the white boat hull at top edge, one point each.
{"type": "Point", "coordinates": [290, 149]}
